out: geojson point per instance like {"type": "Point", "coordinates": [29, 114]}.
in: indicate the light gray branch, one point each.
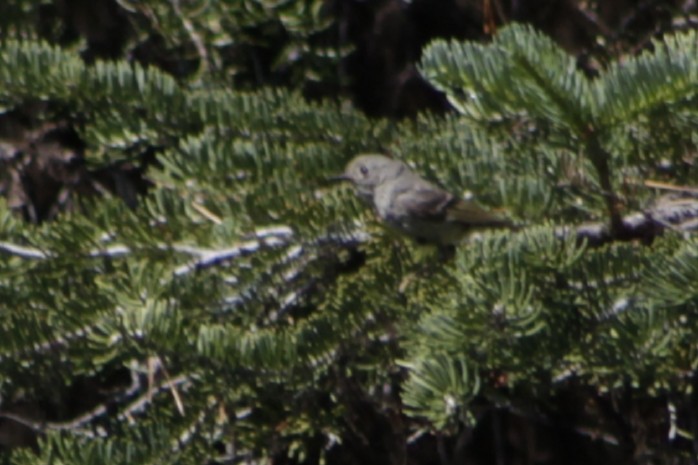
{"type": "Point", "coordinates": [668, 213]}
{"type": "Point", "coordinates": [21, 251]}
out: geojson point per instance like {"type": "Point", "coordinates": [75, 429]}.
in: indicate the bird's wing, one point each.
{"type": "Point", "coordinates": [425, 201]}
{"type": "Point", "coordinates": [429, 202]}
{"type": "Point", "coordinates": [470, 213]}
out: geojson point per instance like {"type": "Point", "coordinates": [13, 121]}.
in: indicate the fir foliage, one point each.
{"type": "Point", "coordinates": [244, 301]}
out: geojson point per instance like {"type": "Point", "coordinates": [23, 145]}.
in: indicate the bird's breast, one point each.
{"type": "Point", "coordinates": [384, 200]}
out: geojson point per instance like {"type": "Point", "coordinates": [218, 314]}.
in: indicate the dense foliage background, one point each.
{"type": "Point", "coordinates": [179, 283]}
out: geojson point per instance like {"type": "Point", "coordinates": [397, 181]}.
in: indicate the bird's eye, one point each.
{"type": "Point", "coordinates": [364, 170]}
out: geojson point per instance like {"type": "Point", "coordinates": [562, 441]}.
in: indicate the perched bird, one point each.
{"type": "Point", "coordinates": [414, 206]}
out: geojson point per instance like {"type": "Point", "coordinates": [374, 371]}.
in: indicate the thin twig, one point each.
{"type": "Point", "coordinates": [75, 425]}
{"type": "Point", "coordinates": [206, 213]}
{"type": "Point", "coordinates": [670, 187]}
{"type": "Point", "coordinates": [173, 388]}
{"type": "Point", "coordinates": [194, 37]}
{"type": "Point", "coordinates": [142, 401]}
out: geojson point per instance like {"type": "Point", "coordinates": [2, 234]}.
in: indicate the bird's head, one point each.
{"type": "Point", "coordinates": [367, 172]}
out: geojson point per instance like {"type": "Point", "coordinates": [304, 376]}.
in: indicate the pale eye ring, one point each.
{"type": "Point", "coordinates": [364, 170]}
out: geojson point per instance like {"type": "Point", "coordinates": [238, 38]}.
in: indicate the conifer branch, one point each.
{"type": "Point", "coordinates": [22, 251]}
{"type": "Point", "coordinates": [77, 424]}
{"type": "Point", "coordinates": [675, 214]}
{"type": "Point", "coordinates": [269, 237]}
{"type": "Point", "coordinates": [54, 344]}
{"type": "Point", "coordinates": [599, 158]}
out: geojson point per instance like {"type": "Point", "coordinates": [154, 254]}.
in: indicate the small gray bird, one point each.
{"type": "Point", "coordinates": [414, 206]}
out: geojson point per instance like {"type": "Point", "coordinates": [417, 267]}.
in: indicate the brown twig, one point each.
{"type": "Point", "coordinates": [599, 158]}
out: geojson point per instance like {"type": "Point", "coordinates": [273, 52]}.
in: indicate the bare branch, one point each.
{"type": "Point", "coordinates": [676, 214]}
{"type": "Point", "coordinates": [21, 251]}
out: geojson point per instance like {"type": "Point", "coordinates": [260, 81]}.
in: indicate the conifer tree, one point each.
{"type": "Point", "coordinates": [245, 309]}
